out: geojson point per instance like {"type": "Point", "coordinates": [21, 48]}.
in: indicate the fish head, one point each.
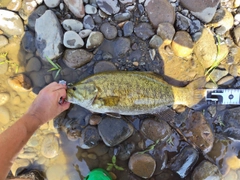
{"type": "Point", "coordinates": [82, 94]}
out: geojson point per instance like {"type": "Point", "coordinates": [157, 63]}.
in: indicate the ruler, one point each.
{"type": "Point", "coordinates": [223, 96]}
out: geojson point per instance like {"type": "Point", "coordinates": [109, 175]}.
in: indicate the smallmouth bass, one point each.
{"type": "Point", "coordinates": [129, 93]}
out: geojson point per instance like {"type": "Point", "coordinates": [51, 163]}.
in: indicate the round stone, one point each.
{"type": "Point", "coordinates": [72, 25]}
{"type": "Point", "coordinates": [89, 9]}
{"type": "Point", "coordinates": [94, 40]}
{"type": "Point", "coordinates": [33, 64]}
{"type": "Point", "coordinates": [85, 33]}
{"type": "Point", "coordinates": [103, 66]}
{"type": "Point", "coordinates": [4, 97]}
{"type": "Point", "coordinates": [109, 31]}
{"type": "Point", "coordinates": [4, 114]}
{"type": "Point", "coordinates": [72, 40]}
{"type": "Point", "coordinates": [52, 3]}
{"type": "Point", "coordinates": [50, 146]}
{"type": "Point", "coordinates": [3, 41]}
{"type": "Point", "coordinates": [88, 22]}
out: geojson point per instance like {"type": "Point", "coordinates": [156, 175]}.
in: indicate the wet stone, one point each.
{"type": "Point", "coordinates": [236, 32]}
{"type": "Point", "coordinates": [35, 15]}
{"type": "Point", "coordinates": [88, 22]}
{"type": "Point", "coordinates": [167, 174]}
{"type": "Point", "coordinates": [184, 161]}
{"type": "Point", "coordinates": [4, 97]}
{"type": "Point", "coordinates": [33, 64]}
{"type": "Point", "coordinates": [122, 17]}
{"type": "Point", "coordinates": [89, 9]}
{"type": "Point", "coordinates": [50, 146]}
{"type": "Point", "coordinates": [4, 114]}
{"type": "Point", "coordinates": [109, 31]}
{"type": "Point", "coordinates": [94, 40]}
{"type": "Point", "coordinates": [76, 58]}
{"type": "Point", "coordinates": [76, 7]}
{"type": "Point", "coordinates": [20, 83]}
{"type": "Point", "coordinates": [95, 119]}
{"type": "Point", "coordinates": [103, 66]}
{"type": "Point", "coordinates": [166, 31]}
{"type": "Point", "coordinates": [144, 31]}
{"type": "Point", "coordinates": [37, 78]}
{"type": "Point", "coordinates": [128, 28]}
{"type": "Point", "coordinates": [159, 11]}
{"type": "Point", "coordinates": [121, 46]}
{"type": "Point", "coordinates": [155, 130]}
{"type": "Point", "coordinates": [142, 165]}
{"type": "Point", "coordinates": [3, 41]}
{"type": "Point", "coordinates": [108, 7]}
{"type": "Point", "coordinates": [155, 42]}
{"type": "Point", "coordinates": [195, 26]}
{"type": "Point", "coordinates": [72, 25]}
{"type": "Point", "coordinates": [114, 130]}
{"type": "Point", "coordinates": [125, 150]}
{"type": "Point", "coordinates": [206, 170]}
{"type": "Point", "coordinates": [182, 22]}
{"type": "Point", "coordinates": [14, 5]}
{"type": "Point", "coordinates": [100, 150]}
{"type": "Point", "coordinates": [28, 42]}
{"type": "Point", "coordinates": [226, 81]}
{"type": "Point", "coordinates": [28, 6]}
{"type": "Point", "coordinates": [218, 74]}
{"type": "Point", "coordinates": [52, 3]}
{"type": "Point", "coordinates": [89, 137]}
{"type": "Point", "coordinates": [72, 40]}
{"type": "Point", "coordinates": [85, 33]}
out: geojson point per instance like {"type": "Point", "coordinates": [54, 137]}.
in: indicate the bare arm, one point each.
{"type": "Point", "coordinates": [44, 108]}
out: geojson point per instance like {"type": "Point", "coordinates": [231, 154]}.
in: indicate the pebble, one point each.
{"type": "Point", "coordinates": [4, 114]}
{"type": "Point", "coordinates": [27, 155]}
{"type": "Point", "coordinates": [166, 31]}
{"type": "Point", "coordinates": [76, 7]}
{"type": "Point", "coordinates": [218, 74]}
{"type": "Point", "coordinates": [35, 15]}
{"type": "Point", "coordinates": [4, 97]}
{"type": "Point", "coordinates": [89, 137]}
{"type": "Point", "coordinates": [142, 165]}
{"type": "Point", "coordinates": [182, 44]}
{"type": "Point", "coordinates": [103, 66]}
{"type": "Point", "coordinates": [144, 31]}
{"type": "Point", "coordinates": [94, 40]}
{"type": "Point", "coordinates": [109, 31]}
{"type": "Point", "coordinates": [28, 42]}
{"type": "Point", "coordinates": [72, 40]}
{"type": "Point", "coordinates": [155, 42]}
{"type": "Point", "coordinates": [120, 17]}
{"type": "Point", "coordinates": [14, 5]}
{"type": "Point", "coordinates": [28, 6]}
{"type": "Point", "coordinates": [76, 58]}
{"type": "Point", "coordinates": [226, 81]}
{"type": "Point", "coordinates": [108, 7]}
{"type": "Point", "coordinates": [33, 64]}
{"type": "Point", "coordinates": [128, 28]}
{"type": "Point", "coordinates": [50, 146]}
{"type": "Point", "coordinates": [211, 85]}
{"type": "Point", "coordinates": [3, 41]}
{"type": "Point", "coordinates": [85, 33]}
{"type": "Point", "coordinates": [95, 119]}
{"type": "Point", "coordinates": [89, 9]}
{"type": "Point", "coordinates": [52, 3]}
{"type": "Point", "coordinates": [72, 25]}
{"type": "Point", "coordinates": [88, 22]}
{"type": "Point", "coordinates": [20, 83]}
{"type": "Point", "coordinates": [11, 24]}
{"type": "Point", "coordinates": [100, 150]}
{"type": "Point", "coordinates": [182, 22]}
{"type": "Point", "coordinates": [236, 32]}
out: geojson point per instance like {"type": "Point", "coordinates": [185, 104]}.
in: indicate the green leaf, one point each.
{"type": "Point", "coordinates": [119, 168]}
{"type": "Point", "coordinates": [52, 69]}
{"type": "Point", "coordinates": [16, 71]}
{"type": "Point", "coordinates": [114, 159]}
{"type": "Point", "coordinates": [52, 63]}
{"type": "Point", "coordinates": [57, 74]}
{"type": "Point", "coordinates": [109, 168]}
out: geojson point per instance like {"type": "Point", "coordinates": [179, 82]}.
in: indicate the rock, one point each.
{"type": "Point", "coordinates": [236, 32]}
{"type": "Point", "coordinates": [3, 41]}
{"type": "Point", "coordinates": [72, 25]}
{"type": "Point", "coordinates": [85, 33]}
{"type": "Point", "coordinates": [88, 22]}
{"type": "Point", "coordinates": [94, 40]}
{"type": "Point", "coordinates": [142, 165]}
{"type": "Point", "coordinates": [128, 28]}
{"type": "Point", "coordinates": [120, 17]}
{"type": "Point", "coordinates": [11, 24]}
{"type": "Point", "coordinates": [109, 31]}
{"type": "Point", "coordinates": [20, 83]}
{"type": "Point", "coordinates": [52, 3]}
{"type": "Point", "coordinates": [50, 146]}
{"type": "Point", "coordinates": [182, 44]}
{"type": "Point", "coordinates": [218, 74]}
{"type": "Point", "coordinates": [5, 116]}
{"type": "Point", "coordinates": [206, 170]}
{"type": "Point", "coordinates": [89, 9]}
{"type": "Point", "coordinates": [124, 150]}
{"type": "Point", "coordinates": [155, 130]}
{"type": "Point", "coordinates": [33, 64]}
{"type": "Point", "coordinates": [205, 49]}
{"type": "Point", "coordinates": [114, 130]}
{"type": "Point", "coordinates": [182, 22]}
{"type": "Point", "coordinates": [89, 137]}
{"type": "Point", "coordinates": [167, 174]}
{"type": "Point", "coordinates": [76, 58]}
{"type": "Point", "coordinates": [121, 46]}
{"type": "Point", "coordinates": [28, 42]}
{"type": "Point", "coordinates": [108, 7]}
{"type": "Point", "coordinates": [19, 164]}
{"type": "Point", "coordinates": [95, 119]}
{"type": "Point", "coordinates": [195, 26]}
{"type": "Point", "coordinates": [14, 5]}
{"type": "Point", "coordinates": [99, 150]}
{"type": "Point", "coordinates": [76, 7]}
{"type": "Point", "coordinates": [166, 31]}
{"type": "Point", "coordinates": [226, 81]}
{"type": "Point", "coordinates": [144, 31]}
{"type": "Point", "coordinates": [48, 43]}
{"type": "Point", "coordinates": [222, 21]}
{"type": "Point", "coordinates": [211, 85]}
{"type": "Point", "coordinates": [27, 155]}
{"type": "Point", "coordinates": [28, 6]}
{"type": "Point", "coordinates": [203, 10]}
{"type": "Point", "coordinates": [103, 66]}
{"type": "Point", "coordinates": [155, 42]}
{"type": "Point", "coordinates": [35, 15]}
{"type": "Point", "coordinates": [159, 11]}
{"type": "Point", "coordinates": [185, 161]}
{"type": "Point", "coordinates": [38, 78]}
{"type": "Point", "coordinates": [4, 97]}
{"type": "Point", "coordinates": [127, 1]}
{"type": "Point", "coordinates": [72, 40]}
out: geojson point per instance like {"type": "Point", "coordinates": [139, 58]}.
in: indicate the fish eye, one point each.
{"type": "Point", "coordinates": [74, 88]}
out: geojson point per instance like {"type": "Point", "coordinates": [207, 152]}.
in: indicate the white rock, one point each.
{"type": "Point", "coordinates": [85, 33]}
{"type": "Point", "coordinates": [52, 3]}
{"type": "Point", "coordinates": [3, 41]}
{"type": "Point", "coordinates": [39, 1]}
{"type": "Point", "coordinates": [72, 25]}
{"type": "Point", "coordinates": [4, 114]}
{"type": "Point", "coordinates": [4, 97]}
{"type": "Point", "coordinates": [72, 40]}
{"type": "Point", "coordinates": [126, 1]}
{"type": "Point", "coordinates": [76, 7]}
{"type": "Point", "coordinates": [237, 17]}
{"type": "Point", "coordinates": [89, 9]}
{"type": "Point", "coordinates": [50, 146]}
{"type": "Point", "coordinates": [11, 24]}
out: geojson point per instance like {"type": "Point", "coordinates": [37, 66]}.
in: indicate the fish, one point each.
{"type": "Point", "coordinates": [129, 93]}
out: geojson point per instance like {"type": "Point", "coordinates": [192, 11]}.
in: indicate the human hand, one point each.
{"type": "Point", "coordinates": [46, 105]}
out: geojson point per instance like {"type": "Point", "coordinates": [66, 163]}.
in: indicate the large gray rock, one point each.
{"type": "Point", "coordinates": [76, 7]}
{"type": "Point", "coordinates": [11, 24]}
{"type": "Point", "coordinates": [48, 41]}
{"type": "Point", "coordinates": [204, 10]}
{"type": "Point", "coordinates": [109, 7]}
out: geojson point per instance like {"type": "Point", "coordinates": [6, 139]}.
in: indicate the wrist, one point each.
{"type": "Point", "coordinates": [31, 122]}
